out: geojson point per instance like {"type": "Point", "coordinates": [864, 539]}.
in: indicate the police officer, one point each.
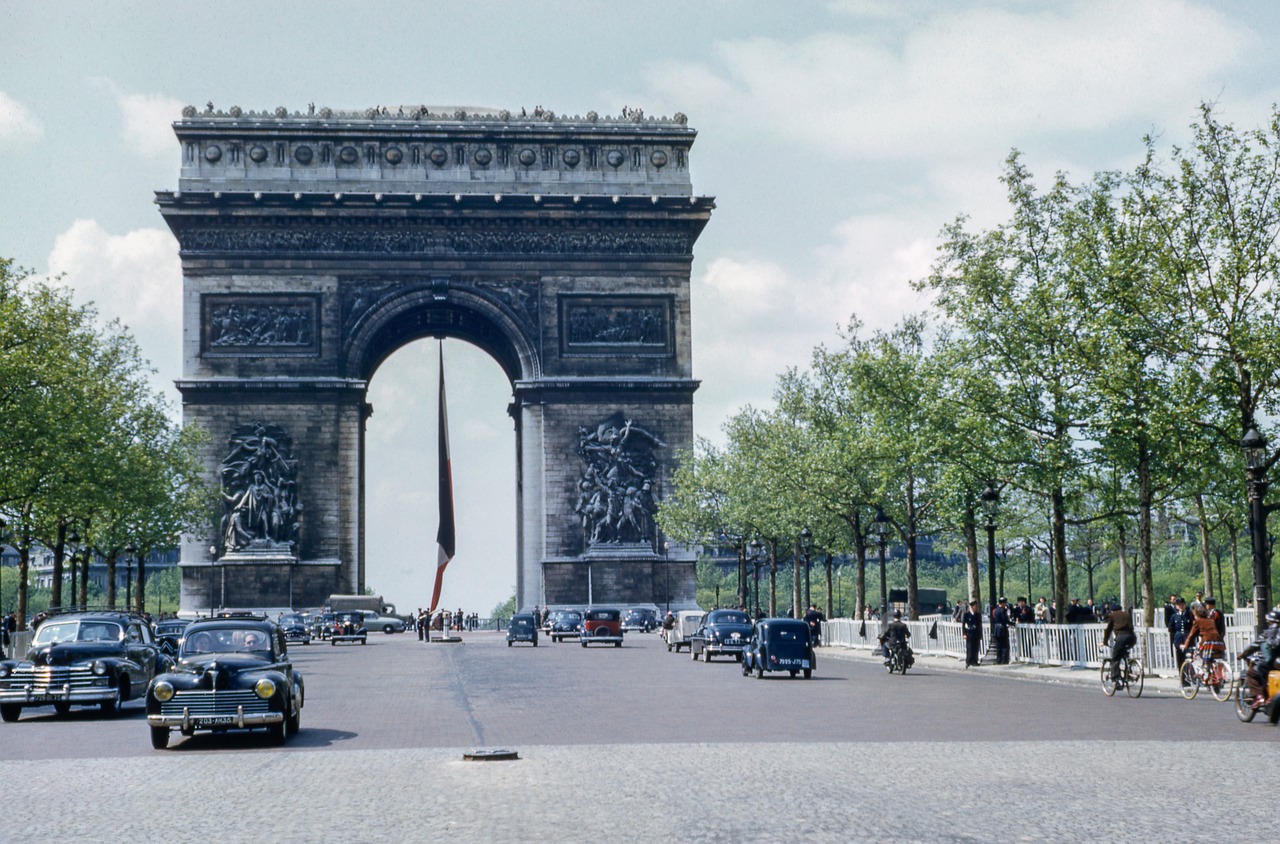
{"type": "Point", "coordinates": [1000, 631]}
{"type": "Point", "coordinates": [971, 625]}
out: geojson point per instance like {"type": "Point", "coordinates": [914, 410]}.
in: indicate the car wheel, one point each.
{"type": "Point", "coordinates": [706, 655]}
{"type": "Point", "coordinates": [808, 672]}
{"type": "Point", "coordinates": [617, 644]}
{"type": "Point", "coordinates": [535, 643]}
{"type": "Point", "coordinates": [584, 643]}
{"type": "Point", "coordinates": [668, 647]}
{"type": "Point", "coordinates": [793, 674]}
{"type": "Point", "coordinates": [62, 707]}
{"type": "Point", "coordinates": [112, 706]}
{"type": "Point", "coordinates": [293, 723]}
{"type": "Point", "coordinates": [387, 629]}
{"type": "Point", "coordinates": [693, 654]}
{"type": "Point", "coordinates": [333, 642]}
{"type": "Point", "coordinates": [10, 712]}
{"type": "Point", "coordinates": [746, 669]}
{"type": "Point", "coordinates": [159, 737]}
{"type": "Point", "coordinates": [508, 643]}
{"type": "Point", "coordinates": [760, 670]}
{"type": "Point", "coordinates": [276, 733]}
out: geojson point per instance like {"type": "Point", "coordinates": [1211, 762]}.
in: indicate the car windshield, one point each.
{"type": "Point", "coordinates": [56, 633]}
{"type": "Point", "coordinates": [571, 616]}
{"type": "Point", "coordinates": [730, 618]}
{"type": "Point", "coordinates": [291, 619]}
{"type": "Point", "coordinates": [783, 635]}
{"type": "Point", "coordinates": [522, 622]}
{"type": "Point", "coordinates": [226, 640]}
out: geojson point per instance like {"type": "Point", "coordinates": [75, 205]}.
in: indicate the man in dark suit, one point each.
{"type": "Point", "coordinates": [1000, 631]}
{"type": "Point", "coordinates": [971, 625]}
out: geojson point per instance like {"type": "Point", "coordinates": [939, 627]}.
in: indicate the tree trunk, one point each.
{"type": "Point", "coordinates": [1122, 551]}
{"type": "Point", "coordinates": [1235, 567]}
{"type": "Point", "coordinates": [797, 583]}
{"type": "Point", "coordinates": [773, 578]}
{"type": "Point", "coordinates": [59, 552]}
{"type": "Point", "coordinates": [973, 578]}
{"type": "Point", "coordinates": [140, 589]}
{"type": "Point", "coordinates": [1206, 558]}
{"type": "Point", "coordinates": [24, 566]}
{"type": "Point", "coordinates": [913, 602]}
{"type": "Point", "coordinates": [1059, 529]}
{"type": "Point", "coordinates": [1145, 496]}
{"type": "Point", "coordinates": [827, 560]}
{"type": "Point", "coordinates": [111, 578]}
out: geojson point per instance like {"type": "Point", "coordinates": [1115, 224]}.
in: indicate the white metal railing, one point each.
{"type": "Point", "coordinates": [1068, 645]}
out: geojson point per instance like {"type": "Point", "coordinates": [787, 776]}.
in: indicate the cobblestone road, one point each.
{"type": "Point", "coordinates": [637, 744]}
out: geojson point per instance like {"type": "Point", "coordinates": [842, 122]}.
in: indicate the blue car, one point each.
{"type": "Point", "coordinates": [779, 644]}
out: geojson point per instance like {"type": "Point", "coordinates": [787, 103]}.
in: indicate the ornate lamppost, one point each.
{"type": "Point", "coordinates": [881, 528]}
{"type": "Point", "coordinates": [990, 504]}
{"type": "Point", "coordinates": [806, 545]}
{"type": "Point", "coordinates": [1256, 464]}
{"type": "Point", "coordinates": [666, 573]}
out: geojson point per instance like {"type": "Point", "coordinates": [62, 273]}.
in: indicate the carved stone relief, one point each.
{"type": "Point", "coordinates": [517, 297]}
{"type": "Point", "coordinates": [617, 492]}
{"type": "Point", "coordinates": [254, 324]}
{"type": "Point", "coordinates": [260, 507]}
{"type": "Point", "coordinates": [593, 325]}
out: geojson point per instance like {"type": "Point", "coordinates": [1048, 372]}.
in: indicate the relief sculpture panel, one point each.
{"type": "Point", "coordinates": [261, 324]}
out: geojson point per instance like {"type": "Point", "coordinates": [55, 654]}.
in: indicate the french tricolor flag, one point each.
{"type": "Point", "coordinates": [444, 536]}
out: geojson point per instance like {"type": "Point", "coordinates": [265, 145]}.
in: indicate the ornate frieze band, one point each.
{"type": "Point", "coordinates": [518, 298]}
{"type": "Point", "coordinates": [593, 325]}
{"type": "Point", "coordinates": [257, 324]}
{"type": "Point", "coordinates": [390, 239]}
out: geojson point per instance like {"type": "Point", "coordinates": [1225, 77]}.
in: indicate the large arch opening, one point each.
{"type": "Point", "coordinates": [401, 503]}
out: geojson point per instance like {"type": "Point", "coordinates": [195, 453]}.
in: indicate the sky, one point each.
{"type": "Point", "coordinates": [838, 138]}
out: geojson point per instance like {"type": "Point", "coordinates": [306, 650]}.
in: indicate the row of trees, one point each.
{"type": "Point", "coordinates": [1096, 359]}
{"type": "Point", "coordinates": [90, 462]}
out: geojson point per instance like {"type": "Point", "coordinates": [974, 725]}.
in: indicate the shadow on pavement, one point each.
{"type": "Point", "coordinates": [257, 740]}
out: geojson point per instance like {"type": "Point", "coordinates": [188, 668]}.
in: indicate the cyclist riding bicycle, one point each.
{"type": "Point", "coordinates": [1267, 648]}
{"type": "Point", "coordinates": [1120, 623]}
{"type": "Point", "coordinates": [1204, 631]}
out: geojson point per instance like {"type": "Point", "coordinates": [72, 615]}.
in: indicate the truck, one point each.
{"type": "Point", "coordinates": [372, 603]}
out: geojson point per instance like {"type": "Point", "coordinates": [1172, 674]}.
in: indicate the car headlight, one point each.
{"type": "Point", "coordinates": [4, 671]}
{"type": "Point", "coordinates": [99, 668]}
{"type": "Point", "coordinates": [264, 688]}
{"type": "Point", "coordinates": [163, 691]}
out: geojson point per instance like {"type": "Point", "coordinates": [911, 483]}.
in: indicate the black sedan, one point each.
{"type": "Point", "coordinates": [723, 633]}
{"type": "Point", "coordinates": [232, 674]}
{"type": "Point", "coordinates": [779, 644]}
{"type": "Point", "coordinates": [523, 628]}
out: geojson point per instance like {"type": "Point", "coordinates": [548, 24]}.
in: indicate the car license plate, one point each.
{"type": "Point", "coordinates": [213, 721]}
{"type": "Point", "coordinates": [46, 697]}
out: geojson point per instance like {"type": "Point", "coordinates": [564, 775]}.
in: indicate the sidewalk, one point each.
{"type": "Point", "coordinates": [1027, 672]}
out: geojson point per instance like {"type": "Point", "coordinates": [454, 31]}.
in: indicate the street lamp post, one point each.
{"type": "Point", "coordinates": [881, 528]}
{"type": "Point", "coordinates": [990, 504]}
{"type": "Point", "coordinates": [806, 545]}
{"type": "Point", "coordinates": [666, 573]}
{"type": "Point", "coordinates": [1026, 552]}
{"type": "Point", "coordinates": [1255, 461]}
{"type": "Point", "coordinates": [754, 555]}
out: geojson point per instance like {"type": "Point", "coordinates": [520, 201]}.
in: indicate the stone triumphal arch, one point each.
{"type": "Point", "coordinates": [315, 245]}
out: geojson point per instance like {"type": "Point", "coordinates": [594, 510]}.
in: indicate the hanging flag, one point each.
{"type": "Point", "coordinates": [444, 535]}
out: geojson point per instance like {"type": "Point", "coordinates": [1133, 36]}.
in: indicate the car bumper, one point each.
{"type": "Point", "coordinates": [239, 719]}
{"type": "Point", "coordinates": [599, 640]}
{"type": "Point", "coordinates": [355, 637]}
{"type": "Point", "coordinates": [724, 650]}
{"type": "Point", "coordinates": [43, 695]}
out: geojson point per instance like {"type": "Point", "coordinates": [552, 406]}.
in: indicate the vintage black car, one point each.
{"type": "Point", "coordinates": [348, 627]}
{"type": "Point", "coordinates": [723, 633]}
{"type": "Point", "coordinates": [94, 658]}
{"type": "Point", "coordinates": [232, 674]}
{"type": "Point", "coordinates": [295, 628]}
{"type": "Point", "coordinates": [642, 619]}
{"type": "Point", "coordinates": [168, 632]}
{"type": "Point", "coordinates": [321, 625]}
{"type": "Point", "coordinates": [779, 644]}
{"type": "Point", "coordinates": [523, 628]}
{"type": "Point", "coordinates": [565, 624]}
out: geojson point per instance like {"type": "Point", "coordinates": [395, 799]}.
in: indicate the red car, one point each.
{"type": "Point", "coordinates": [601, 627]}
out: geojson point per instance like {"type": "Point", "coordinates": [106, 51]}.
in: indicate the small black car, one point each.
{"type": "Point", "coordinates": [295, 628]}
{"type": "Point", "coordinates": [640, 618]}
{"type": "Point", "coordinates": [565, 624]}
{"type": "Point", "coordinates": [779, 644]}
{"type": "Point", "coordinates": [723, 632]}
{"type": "Point", "coordinates": [94, 658]}
{"type": "Point", "coordinates": [348, 627]}
{"type": "Point", "coordinates": [523, 628]}
{"type": "Point", "coordinates": [169, 633]}
{"type": "Point", "coordinates": [232, 674]}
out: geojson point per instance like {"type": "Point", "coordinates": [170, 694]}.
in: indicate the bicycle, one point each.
{"type": "Point", "coordinates": [1205, 669]}
{"type": "Point", "coordinates": [1130, 676]}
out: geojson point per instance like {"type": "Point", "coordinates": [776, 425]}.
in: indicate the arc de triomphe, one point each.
{"type": "Point", "coordinates": [314, 245]}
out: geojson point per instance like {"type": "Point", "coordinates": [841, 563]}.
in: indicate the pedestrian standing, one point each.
{"type": "Point", "coordinates": [1000, 631]}
{"type": "Point", "coordinates": [971, 626]}
{"type": "Point", "coordinates": [1179, 627]}
{"type": "Point", "coordinates": [1042, 611]}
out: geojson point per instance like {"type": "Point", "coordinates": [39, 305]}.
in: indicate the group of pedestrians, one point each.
{"type": "Point", "coordinates": [425, 622]}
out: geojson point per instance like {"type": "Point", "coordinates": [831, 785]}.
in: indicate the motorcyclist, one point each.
{"type": "Point", "coordinates": [1267, 648]}
{"type": "Point", "coordinates": [895, 637]}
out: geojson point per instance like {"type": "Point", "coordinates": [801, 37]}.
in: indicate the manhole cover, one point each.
{"type": "Point", "coordinates": [490, 755]}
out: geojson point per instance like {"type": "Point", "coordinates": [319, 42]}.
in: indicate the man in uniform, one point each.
{"type": "Point", "coordinates": [971, 625]}
{"type": "Point", "coordinates": [1000, 631]}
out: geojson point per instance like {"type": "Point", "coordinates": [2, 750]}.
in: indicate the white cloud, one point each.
{"type": "Point", "coordinates": [147, 119]}
{"type": "Point", "coordinates": [945, 83]}
{"type": "Point", "coordinates": [18, 124]}
{"type": "Point", "coordinates": [134, 277]}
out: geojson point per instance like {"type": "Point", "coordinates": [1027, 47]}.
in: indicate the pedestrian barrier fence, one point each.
{"type": "Point", "coordinates": [1070, 645]}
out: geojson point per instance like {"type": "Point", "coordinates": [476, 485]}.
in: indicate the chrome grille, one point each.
{"type": "Point", "coordinates": [202, 702]}
{"type": "Point", "coordinates": [42, 677]}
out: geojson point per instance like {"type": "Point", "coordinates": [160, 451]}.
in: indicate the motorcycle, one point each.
{"type": "Point", "coordinates": [898, 658]}
{"type": "Point", "coordinates": [1245, 708]}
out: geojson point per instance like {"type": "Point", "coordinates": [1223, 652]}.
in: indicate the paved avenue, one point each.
{"type": "Point", "coordinates": [643, 744]}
